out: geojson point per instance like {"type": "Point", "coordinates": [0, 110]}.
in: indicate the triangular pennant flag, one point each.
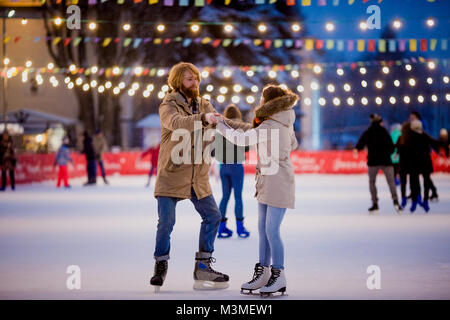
{"type": "Point", "coordinates": [319, 44]}
{"type": "Point", "coordinates": [329, 44]}
{"type": "Point", "coordinates": [361, 45]}
{"type": "Point", "coordinates": [126, 42]}
{"type": "Point", "coordinates": [67, 41]}
{"type": "Point", "coordinates": [444, 44]}
{"type": "Point", "coordinates": [183, 3]}
{"type": "Point", "coordinates": [371, 45]}
{"type": "Point", "coordinates": [322, 3]}
{"type": "Point", "coordinates": [157, 41]}
{"type": "Point", "coordinates": [290, 2]}
{"type": "Point", "coordinates": [16, 39]}
{"type": "Point", "coordinates": [306, 3]}
{"type": "Point", "coordinates": [56, 40]}
{"type": "Point", "coordinates": [335, 2]}
{"type": "Point", "coordinates": [199, 3]}
{"type": "Point", "coordinates": [206, 40]}
{"type": "Point", "coordinates": [267, 43]}
{"type": "Point", "coordinates": [288, 43]}
{"type": "Point", "coordinates": [257, 42]}
{"type": "Point", "coordinates": [278, 43]}
{"type": "Point", "coordinates": [433, 43]}
{"type": "Point", "coordinates": [106, 42]}
{"type": "Point", "coordinates": [423, 45]}
{"type": "Point", "coordinates": [6, 40]}
{"type": "Point", "coordinates": [216, 43]}
{"type": "Point", "coordinates": [237, 42]}
{"type": "Point", "coordinates": [136, 42]}
{"type": "Point", "coordinates": [401, 45]}
{"type": "Point", "coordinates": [382, 45]}
{"type": "Point", "coordinates": [340, 45]}
{"type": "Point", "coordinates": [350, 45]}
{"type": "Point", "coordinates": [309, 44]}
{"type": "Point", "coordinates": [226, 42]}
{"type": "Point", "coordinates": [168, 3]}
{"type": "Point", "coordinates": [187, 42]}
{"type": "Point", "coordinates": [412, 45]}
{"type": "Point", "coordinates": [392, 45]}
{"type": "Point", "coordinates": [77, 41]}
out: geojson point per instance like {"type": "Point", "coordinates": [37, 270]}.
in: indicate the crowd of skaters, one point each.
{"type": "Point", "coordinates": [405, 153]}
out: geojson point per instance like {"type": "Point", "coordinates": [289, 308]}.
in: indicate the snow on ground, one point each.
{"type": "Point", "coordinates": [329, 239]}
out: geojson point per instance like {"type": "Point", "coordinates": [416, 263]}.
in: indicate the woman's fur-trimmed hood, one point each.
{"type": "Point", "coordinates": [276, 105]}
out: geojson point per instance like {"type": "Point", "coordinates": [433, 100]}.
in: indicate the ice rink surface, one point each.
{"type": "Point", "coordinates": [329, 239]}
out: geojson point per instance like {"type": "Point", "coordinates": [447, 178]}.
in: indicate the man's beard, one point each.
{"type": "Point", "coordinates": [191, 92]}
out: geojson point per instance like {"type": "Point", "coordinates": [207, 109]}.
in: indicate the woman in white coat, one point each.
{"type": "Point", "coordinates": [273, 133]}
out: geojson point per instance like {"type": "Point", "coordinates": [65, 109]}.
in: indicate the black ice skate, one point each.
{"type": "Point", "coordinates": [159, 274]}
{"type": "Point", "coordinates": [373, 209]}
{"type": "Point", "coordinates": [205, 277]}
{"type": "Point", "coordinates": [398, 208]}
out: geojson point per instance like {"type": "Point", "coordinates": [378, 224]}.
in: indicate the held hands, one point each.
{"type": "Point", "coordinates": [212, 117]}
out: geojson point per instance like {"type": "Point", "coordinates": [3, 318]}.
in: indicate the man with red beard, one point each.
{"type": "Point", "coordinates": [183, 111]}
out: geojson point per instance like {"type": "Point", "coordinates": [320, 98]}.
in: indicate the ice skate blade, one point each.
{"type": "Point", "coordinates": [210, 285]}
{"type": "Point", "coordinates": [273, 295]}
{"type": "Point", "coordinates": [157, 289]}
{"type": "Point", "coordinates": [249, 292]}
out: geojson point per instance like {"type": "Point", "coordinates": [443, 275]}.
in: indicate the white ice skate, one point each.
{"type": "Point", "coordinates": [261, 276]}
{"type": "Point", "coordinates": [277, 283]}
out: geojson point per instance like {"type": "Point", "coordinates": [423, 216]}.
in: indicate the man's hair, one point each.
{"type": "Point", "coordinates": [272, 91]}
{"type": "Point", "coordinates": [416, 114]}
{"type": "Point", "coordinates": [176, 74]}
{"type": "Point", "coordinates": [232, 112]}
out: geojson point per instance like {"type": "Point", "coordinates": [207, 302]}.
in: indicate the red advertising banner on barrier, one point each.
{"type": "Point", "coordinates": [34, 168]}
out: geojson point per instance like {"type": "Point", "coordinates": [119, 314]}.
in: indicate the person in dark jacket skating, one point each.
{"type": "Point", "coordinates": [380, 147]}
{"type": "Point", "coordinates": [420, 145]}
{"type": "Point", "coordinates": [8, 160]}
{"type": "Point", "coordinates": [91, 162]}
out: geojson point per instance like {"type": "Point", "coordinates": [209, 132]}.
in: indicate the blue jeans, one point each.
{"type": "Point", "coordinates": [270, 244]}
{"type": "Point", "coordinates": [232, 176]}
{"type": "Point", "coordinates": [102, 167]}
{"type": "Point", "coordinates": [206, 207]}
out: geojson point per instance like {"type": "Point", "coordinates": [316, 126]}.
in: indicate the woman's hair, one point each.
{"type": "Point", "coordinates": [272, 91]}
{"type": "Point", "coordinates": [176, 74]}
{"type": "Point", "coordinates": [232, 112]}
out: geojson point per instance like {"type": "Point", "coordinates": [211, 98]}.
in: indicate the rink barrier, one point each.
{"type": "Point", "coordinates": [39, 167]}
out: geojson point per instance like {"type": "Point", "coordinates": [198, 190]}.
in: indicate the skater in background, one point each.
{"type": "Point", "coordinates": [403, 151]}
{"type": "Point", "coordinates": [396, 132]}
{"type": "Point", "coordinates": [62, 159]}
{"type": "Point", "coordinates": [406, 131]}
{"type": "Point", "coordinates": [8, 160]}
{"type": "Point", "coordinates": [100, 146]}
{"type": "Point", "coordinates": [91, 163]}
{"type": "Point", "coordinates": [444, 142]}
{"type": "Point", "coordinates": [275, 181]}
{"type": "Point", "coordinates": [178, 178]}
{"type": "Point", "coordinates": [153, 151]}
{"type": "Point", "coordinates": [380, 147]}
{"type": "Point", "coordinates": [230, 158]}
{"type": "Point", "coordinates": [420, 145]}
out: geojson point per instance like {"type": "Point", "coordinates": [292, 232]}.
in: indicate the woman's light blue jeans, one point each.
{"type": "Point", "coordinates": [270, 244]}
